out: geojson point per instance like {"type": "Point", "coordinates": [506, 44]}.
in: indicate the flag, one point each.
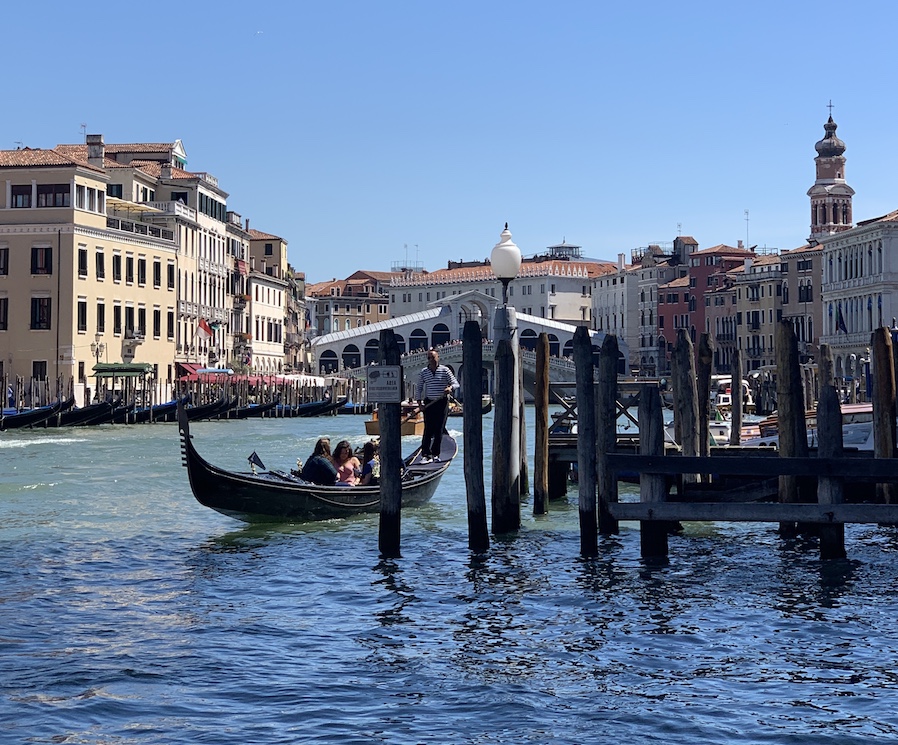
{"type": "Point", "coordinates": [255, 460]}
{"type": "Point", "coordinates": [840, 322]}
{"type": "Point", "coordinates": [203, 330]}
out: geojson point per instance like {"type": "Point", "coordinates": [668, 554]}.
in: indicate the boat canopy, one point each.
{"type": "Point", "coordinates": [122, 369]}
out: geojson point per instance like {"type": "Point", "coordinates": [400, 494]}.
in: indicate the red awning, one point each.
{"type": "Point", "coordinates": [188, 369]}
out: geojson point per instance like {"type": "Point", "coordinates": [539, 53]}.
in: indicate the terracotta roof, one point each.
{"type": "Point", "coordinates": [806, 248]}
{"type": "Point", "coordinates": [139, 147]}
{"type": "Point", "coordinates": [259, 235]}
{"type": "Point", "coordinates": [722, 248]}
{"type": "Point", "coordinates": [676, 283]}
{"type": "Point", "coordinates": [890, 217]}
{"type": "Point", "coordinates": [37, 158]}
{"type": "Point", "coordinates": [586, 269]}
{"type": "Point", "coordinates": [154, 168]}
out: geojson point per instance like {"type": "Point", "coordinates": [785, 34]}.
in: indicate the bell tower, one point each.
{"type": "Point", "coordinates": [830, 195]}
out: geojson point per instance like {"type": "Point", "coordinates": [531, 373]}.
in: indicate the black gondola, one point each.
{"type": "Point", "coordinates": [158, 413]}
{"type": "Point", "coordinates": [33, 417]}
{"type": "Point", "coordinates": [276, 496]}
{"type": "Point", "coordinates": [251, 411]}
{"type": "Point", "coordinates": [98, 412]}
{"type": "Point", "coordinates": [210, 410]}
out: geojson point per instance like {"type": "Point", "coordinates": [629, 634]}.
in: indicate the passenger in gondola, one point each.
{"type": "Point", "coordinates": [370, 464]}
{"type": "Point", "coordinates": [348, 466]}
{"type": "Point", "coordinates": [319, 468]}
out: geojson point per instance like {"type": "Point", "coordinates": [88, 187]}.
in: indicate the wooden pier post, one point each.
{"type": "Point", "coordinates": [703, 391]}
{"type": "Point", "coordinates": [684, 395]}
{"type": "Point", "coordinates": [506, 495]}
{"type": "Point", "coordinates": [541, 422]}
{"type": "Point", "coordinates": [884, 409]}
{"type": "Point", "coordinates": [606, 433]}
{"type": "Point", "coordinates": [829, 489]}
{"type": "Point", "coordinates": [586, 443]}
{"type": "Point", "coordinates": [390, 458]}
{"type": "Point", "coordinates": [523, 470]}
{"type": "Point", "coordinates": [825, 367]}
{"type": "Point", "coordinates": [736, 396]}
{"type": "Point", "coordinates": [652, 487]}
{"type": "Point", "coordinates": [472, 364]}
{"type": "Point", "coordinates": [791, 429]}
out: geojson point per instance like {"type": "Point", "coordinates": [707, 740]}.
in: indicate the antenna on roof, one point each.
{"type": "Point", "coordinates": [679, 229]}
{"type": "Point", "coordinates": [84, 130]}
{"type": "Point", "coordinates": [20, 144]}
{"type": "Point", "coordinates": [747, 242]}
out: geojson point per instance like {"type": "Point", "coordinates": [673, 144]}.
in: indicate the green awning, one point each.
{"type": "Point", "coordinates": [122, 370]}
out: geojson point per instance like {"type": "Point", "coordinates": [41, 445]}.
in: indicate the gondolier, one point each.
{"type": "Point", "coordinates": [435, 383]}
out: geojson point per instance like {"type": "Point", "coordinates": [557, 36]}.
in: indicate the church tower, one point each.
{"type": "Point", "coordinates": [830, 195]}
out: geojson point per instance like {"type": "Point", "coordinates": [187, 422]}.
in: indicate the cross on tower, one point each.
{"type": "Point", "coordinates": [830, 107]}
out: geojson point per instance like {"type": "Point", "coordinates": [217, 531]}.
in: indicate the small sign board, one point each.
{"type": "Point", "coordinates": [385, 384]}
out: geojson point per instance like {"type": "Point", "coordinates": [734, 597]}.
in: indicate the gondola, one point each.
{"type": "Point", "coordinates": [277, 496]}
{"type": "Point", "coordinates": [251, 411]}
{"type": "Point", "coordinates": [486, 406]}
{"type": "Point", "coordinates": [98, 413]}
{"type": "Point", "coordinates": [33, 417]}
{"type": "Point", "coordinates": [210, 410]}
{"type": "Point", "coordinates": [156, 413]}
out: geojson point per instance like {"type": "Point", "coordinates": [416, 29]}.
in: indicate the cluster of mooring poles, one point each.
{"type": "Point", "coordinates": [810, 491]}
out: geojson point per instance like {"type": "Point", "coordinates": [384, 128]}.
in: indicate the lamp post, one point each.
{"type": "Point", "coordinates": [97, 348]}
{"type": "Point", "coordinates": [505, 261]}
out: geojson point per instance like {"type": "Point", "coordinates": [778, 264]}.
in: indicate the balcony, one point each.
{"type": "Point", "coordinates": [174, 209]}
{"type": "Point", "coordinates": [139, 228]}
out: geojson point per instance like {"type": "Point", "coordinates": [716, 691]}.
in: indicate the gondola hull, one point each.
{"type": "Point", "coordinates": [279, 497]}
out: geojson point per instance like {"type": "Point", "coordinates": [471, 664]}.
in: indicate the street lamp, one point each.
{"type": "Point", "coordinates": [97, 348]}
{"type": "Point", "coordinates": [505, 261]}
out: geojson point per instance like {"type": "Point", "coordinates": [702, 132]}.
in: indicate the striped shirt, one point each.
{"type": "Point", "coordinates": [434, 384]}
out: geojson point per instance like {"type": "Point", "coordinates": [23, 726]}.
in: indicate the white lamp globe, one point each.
{"type": "Point", "coordinates": [505, 260]}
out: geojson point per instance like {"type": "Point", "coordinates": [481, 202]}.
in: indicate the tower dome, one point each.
{"type": "Point", "coordinates": [830, 146]}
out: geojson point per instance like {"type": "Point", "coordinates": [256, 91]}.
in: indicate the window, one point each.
{"type": "Point", "coordinates": [170, 325]}
{"type": "Point", "coordinates": [129, 321]}
{"type": "Point", "coordinates": [117, 319]}
{"type": "Point", "coordinates": [54, 195]}
{"type": "Point", "coordinates": [114, 190]}
{"type": "Point", "coordinates": [180, 196]}
{"type": "Point", "coordinates": [171, 276]}
{"type": "Point", "coordinates": [40, 313]}
{"type": "Point", "coordinates": [101, 265]}
{"type": "Point", "coordinates": [41, 260]}
{"type": "Point", "coordinates": [101, 317]}
{"type": "Point", "coordinates": [141, 322]}
{"type": "Point", "coordinates": [129, 270]}
{"type": "Point", "coordinates": [21, 195]}
{"type": "Point", "coordinates": [157, 273]}
{"type": "Point", "coordinates": [4, 314]}
{"type": "Point", "coordinates": [82, 261]}
{"type": "Point", "coordinates": [39, 370]}
{"type": "Point", "coordinates": [269, 249]}
{"type": "Point", "coordinates": [79, 197]}
{"type": "Point", "coordinates": [4, 261]}
{"type": "Point", "coordinates": [141, 272]}
{"type": "Point", "coordinates": [82, 314]}
{"type": "Point", "coordinates": [117, 267]}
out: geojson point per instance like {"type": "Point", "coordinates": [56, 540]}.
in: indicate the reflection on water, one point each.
{"type": "Point", "coordinates": [129, 613]}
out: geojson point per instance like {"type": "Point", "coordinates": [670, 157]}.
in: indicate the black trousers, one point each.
{"type": "Point", "coordinates": [435, 413]}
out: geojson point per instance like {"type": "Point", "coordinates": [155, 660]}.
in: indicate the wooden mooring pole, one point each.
{"type": "Point", "coordinates": [685, 395]}
{"type": "Point", "coordinates": [586, 443]}
{"type": "Point", "coordinates": [829, 489]}
{"type": "Point", "coordinates": [506, 494]}
{"type": "Point", "coordinates": [472, 364]}
{"type": "Point", "coordinates": [884, 409]}
{"type": "Point", "coordinates": [390, 458]}
{"type": "Point", "coordinates": [703, 392]}
{"type": "Point", "coordinates": [606, 433]}
{"type": "Point", "coordinates": [652, 487]}
{"type": "Point", "coordinates": [736, 398]}
{"type": "Point", "coordinates": [791, 428]}
{"type": "Point", "coordinates": [541, 422]}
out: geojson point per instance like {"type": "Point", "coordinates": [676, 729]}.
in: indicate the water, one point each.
{"type": "Point", "coordinates": [131, 614]}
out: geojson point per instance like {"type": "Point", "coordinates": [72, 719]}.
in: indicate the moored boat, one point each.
{"type": "Point", "coordinates": [411, 423]}
{"type": "Point", "coordinates": [33, 417]}
{"type": "Point", "coordinates": [278, 496]}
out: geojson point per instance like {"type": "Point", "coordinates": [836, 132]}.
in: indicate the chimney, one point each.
{"type": "Point", "coordinates": [166, 170]}
{"type": "Point", "coordinates": [96, 150]}
{"type": "Point", "coordinates": [247, 225]}
{"type": "Point", "coordinates": [746, 264]}
{"type": "Point", "coordinates": [739, 244]}
{"type": "Point", "coordinates": [621, 262]}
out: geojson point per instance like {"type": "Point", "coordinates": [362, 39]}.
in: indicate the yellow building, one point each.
{"type": "Point", "coordinates": [77, 285]}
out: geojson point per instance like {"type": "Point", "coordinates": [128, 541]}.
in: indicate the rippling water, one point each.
{"type": "Point", "coordinates": [131, 614]}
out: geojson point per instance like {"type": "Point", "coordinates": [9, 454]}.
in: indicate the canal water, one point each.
{"type": "Point", "coordinates": [131, 614]}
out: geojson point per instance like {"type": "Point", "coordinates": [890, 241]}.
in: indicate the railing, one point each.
{"type": "Point", "coordinates": [129, 226]}
{"type": "Point", "coordinates": [178, 209]}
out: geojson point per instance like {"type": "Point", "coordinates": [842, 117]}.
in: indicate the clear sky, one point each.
{"type": "Point", "coordinates": [355, 129]}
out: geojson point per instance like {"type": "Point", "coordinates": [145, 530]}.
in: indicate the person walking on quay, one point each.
{"type": "Point", "coordinates": [435, 383]}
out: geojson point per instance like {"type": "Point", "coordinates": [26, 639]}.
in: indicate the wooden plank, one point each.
{"type": "Point", "coordinates": [756, 512]}
{"type": "Point", "coordinates": [848, 469]}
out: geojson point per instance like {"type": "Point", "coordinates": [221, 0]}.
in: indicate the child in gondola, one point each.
{"type": "Point", "coordinates": [371, 464]}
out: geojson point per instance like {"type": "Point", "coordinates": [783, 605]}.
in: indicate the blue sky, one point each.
{"type": "Point", "coordinates": [354, 129]}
